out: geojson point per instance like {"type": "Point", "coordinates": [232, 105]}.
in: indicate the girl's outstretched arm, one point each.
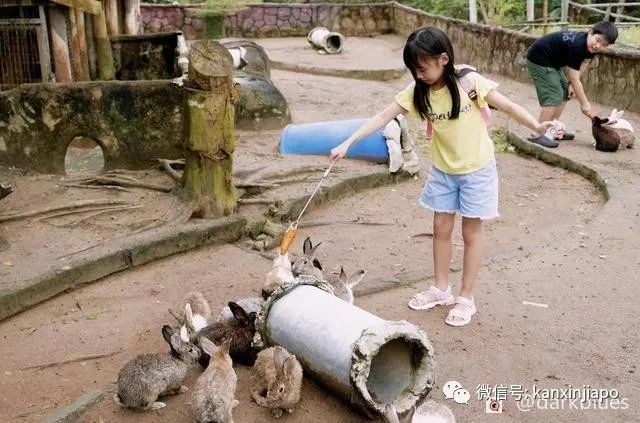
{"type": "Point", "coordinates": [368, 128]}
{"type": "Point", "coordinates": [516, 111]}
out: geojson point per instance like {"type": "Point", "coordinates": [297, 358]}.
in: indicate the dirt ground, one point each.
{"type": "Point", "coordinates": [545, 213]}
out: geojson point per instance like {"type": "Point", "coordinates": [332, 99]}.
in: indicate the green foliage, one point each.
{"type": "Point", "coordinates": [500, 143]}
{"type": "Point", "coordinates": [257, 228]}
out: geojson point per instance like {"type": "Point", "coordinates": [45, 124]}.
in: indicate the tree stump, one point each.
{"type": "Point", "coordinates": [210, 139]}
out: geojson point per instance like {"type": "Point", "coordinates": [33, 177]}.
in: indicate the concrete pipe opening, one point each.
{"type": "Point", "coordinates": [362, 358]}
{"type": "Point", "coordinates": [321, 38]}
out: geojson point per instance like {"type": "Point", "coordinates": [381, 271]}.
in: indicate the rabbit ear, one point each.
{"type": "Point", "coordinates": [225, 346]}
{"type": "Point", "coordinates": [184, 333]}
{"type": "Point", "coordinates": [279, 357]}
{"type": "Point", "coordinates": [238, 312]}
{"type": "Point", "coordinates": [167, 331]}
{"type": "Point", "coordinates": [343, 275]}
{"type": "Point", "coordinates": [188, 313]}
{"type": "Point", "coordinates": [307, 246]}
{"type": "Point", "coordinates": [175, 342]}
{"type": "Point", "coordinates": [390, 413]}
{"type": "Point", "coordinates": [355, 279]}
{"type": "Point", "coordinates": [207, 346]}
{"type": "Point", "coordinates": [289, 366]}
{"type": "Point", "coordinates": [316, 264]}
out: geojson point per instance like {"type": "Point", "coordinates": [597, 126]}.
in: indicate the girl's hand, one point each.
{"type": "Point", "coordinates": [339, 152]}
{"type": "Point", "coordinates": [542, 128]}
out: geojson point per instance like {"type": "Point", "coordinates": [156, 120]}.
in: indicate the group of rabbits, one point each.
{"type": "Point", "coordinates": [276, 376]}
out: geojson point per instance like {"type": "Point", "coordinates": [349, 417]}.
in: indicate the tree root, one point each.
{"type": "Point", "coordinates": [69, 206]}
{"type": "Point", "coordinates": [97, 213]}
{"type": "Point", "coordinates": [309, 224]}
{"type": "Point", "coordinates": [5, 190]}
{"type": "Point", "coordinates": [72, 360]}
{"type": "Point", "coordinates": [113, 187]}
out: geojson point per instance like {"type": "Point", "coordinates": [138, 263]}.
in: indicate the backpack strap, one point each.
{"type": "Point", "coordinates": [468, 85]}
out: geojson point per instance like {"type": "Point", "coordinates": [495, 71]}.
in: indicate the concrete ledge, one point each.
{"type": "Point", "coordinates": [554, 159]}
{"type": "Point", "coordinates": [115, 256]}
{"type": "Point", "coordinates": [367, 74]}
{"type": "Point", "coordinates": [72, 412]}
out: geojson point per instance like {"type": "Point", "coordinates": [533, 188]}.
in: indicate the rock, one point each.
{"type": "Point", "coordinates": [260, 105]}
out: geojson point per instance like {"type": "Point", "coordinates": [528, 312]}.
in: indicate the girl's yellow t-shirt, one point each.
{"type": "Point", "coordinates": [462, 145]}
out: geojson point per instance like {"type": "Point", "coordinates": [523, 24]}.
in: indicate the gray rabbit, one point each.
{"type": "Point", "coordinates": [307, 264]}
{"type": "Point", "coordinates": [146, 377]}
{"type": "Point", "coordinates": [278, 373]}
{"type": "Point", "coordinates": [213, 397]}
{"type": "Point", "coordinates": [343, 285]}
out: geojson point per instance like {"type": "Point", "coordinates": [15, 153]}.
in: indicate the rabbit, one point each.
{"type": "Point", "coordinates": [307, 264]}
{"type": "Point", "coordinates": [279, 274]}
{"type": "Point", "coordinates": [343, 285]}
{"type": "Point", "coordinates": [249, 304]}
{"type": "Point", "coordinates": [196, 315]}
{"type": "Point", "coordinates": [278, 373]}
{"type": "Point", "coordinates": [429, 412]}
{"type": "Point", "coordinates": [616, 121]}
{"type": "Point", "coordinates": [240, 332]}
{"type": "Point", "coordinates": [213, 397]}
{"type": "Point", "coordinates": [608, 137]}
{"type": "Point", "coordinates": [144, 378]}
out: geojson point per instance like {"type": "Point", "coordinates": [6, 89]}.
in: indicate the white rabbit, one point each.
{"type": "Point", "coordinates": [280, 273]}
{"type": "Point", "coordinates": [429, 412]}
{"type": "Point", "coordinates": [615, 120]}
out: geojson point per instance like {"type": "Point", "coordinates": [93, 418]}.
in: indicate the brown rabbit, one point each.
{"type": "Point", "coordinates": [240, 332]}
{"type": "Point", "coordinates": [148, 376]}
{"type": "Point", "coordinates": [213, 398]}
{"type": "Point", "coordinates": [278, 373]}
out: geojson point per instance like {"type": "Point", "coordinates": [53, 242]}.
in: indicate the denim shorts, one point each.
{"type": "Point", "coordinates": [472, 195]}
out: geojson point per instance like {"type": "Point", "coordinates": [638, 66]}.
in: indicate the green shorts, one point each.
{"type": "Point", "coordinates": [551, 84]}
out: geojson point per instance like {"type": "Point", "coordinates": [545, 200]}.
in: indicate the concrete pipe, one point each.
{"type": "Point", "coordinates": [364, 359]}
{"type": "Point", "coordinates": [322, 38]}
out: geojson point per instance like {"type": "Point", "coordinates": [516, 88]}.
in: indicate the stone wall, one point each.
{"type": "Point", "coordinates": [133, 122]}
{"type": "Point", "coordinates": [274, 20]}
{"type": "Point", "coordinates": [612, 79]}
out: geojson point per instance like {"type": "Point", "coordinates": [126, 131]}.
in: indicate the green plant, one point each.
{"type": "Point", "coordinates": [257, 228]}
{"type": "Point", "coordinates": [500, 143]}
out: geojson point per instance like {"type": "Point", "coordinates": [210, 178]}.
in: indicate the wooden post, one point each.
{"type": "Point", "coordinates": [106, 69]}
{"type": "Point", "coordinates": [82, 44]}
{"type": "Point", "coordinates": [111, 10]}
{"type": "Point", "coordinates": [43, 46]}
{"type": "Point", "coordinates": [91, 48]}
{"type": "Point", "coordinates": [564, 12]}
{"type": "Point", "coordinates": [530, 10]}
{"type": "Point", "coordinates": [545, 16]}
{"type": "Point", "coordinates": [473, 11]}
{"type": "Point", "coordinates": [210, 138]}
{"type": "Point", "coordinates": [74, 47]}
{"type": "Point", "coordinates": [60, 44]}
{"type": "Point", "coordinates": [131, 17]}
{"type": "Point", "coordinates": [620, 10]}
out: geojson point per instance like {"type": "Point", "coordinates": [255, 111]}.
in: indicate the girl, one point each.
{"type": "Point", "coordinates": [463, 177]}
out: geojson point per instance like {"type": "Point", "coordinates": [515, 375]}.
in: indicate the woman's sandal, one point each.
{"type": "Point", "coordinates": [431, 298]}
{"type": "Point", "coordinates": [461, 313]}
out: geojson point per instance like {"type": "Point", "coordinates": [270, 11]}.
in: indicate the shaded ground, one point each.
{"type": "Point", "coordinates": [545, 248]}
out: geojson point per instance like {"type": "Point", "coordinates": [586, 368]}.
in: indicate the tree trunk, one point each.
{"type": "Point", "coordinates": [91, 48]}
{"type": "Point", "coordinates": [74, 44]}
{"type": "Point", "coordinates": [113, 22]}
{"type": "Point", "coordinates": [60, 45]}
{"type": "Point", "coordinates": [545, 16]}
{"type": "Point", "coordinates": [210, 139]}
{"type": "Point", "coordinates": [82, 44]}
{"type": "Point", "coordinates": [131, 16]}
{"type": "Point", "coordinates": [106, 69]}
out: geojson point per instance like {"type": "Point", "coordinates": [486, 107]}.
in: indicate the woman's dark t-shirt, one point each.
{"type": "Point", "coordinates": [564, 48]}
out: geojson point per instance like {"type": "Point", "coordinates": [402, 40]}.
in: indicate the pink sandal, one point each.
{"type": "Point", "coordinates": [430, 298]}
{"type": "Point", "coordinates": [461, 313]}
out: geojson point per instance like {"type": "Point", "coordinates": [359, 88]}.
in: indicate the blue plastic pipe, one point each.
{"type": "Point", "coordinates": [319, 138]}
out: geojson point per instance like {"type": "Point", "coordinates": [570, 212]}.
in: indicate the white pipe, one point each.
{"type": "Point", "coordinates": [364, 359]}
{"type": "Point", "coordinates": [331, 42]}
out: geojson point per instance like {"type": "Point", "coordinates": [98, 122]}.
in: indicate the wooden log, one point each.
{"type": "Point", "coordinates": [113, 21]}
{"type": "Point", "coordinates": [131, 17]}
{"type": "Point", "coordinates": [106, 68]}
{"type": "Point", "coordinates": [82, 44]}
{"type": "Point", "coordinates": [74, 47]}
{"type": "Point", "coordinates": [91, 48]}
{"type": "Point", "coordinates": [210, 138]}
{"type": "Point", "coordinates": [59, 44]}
